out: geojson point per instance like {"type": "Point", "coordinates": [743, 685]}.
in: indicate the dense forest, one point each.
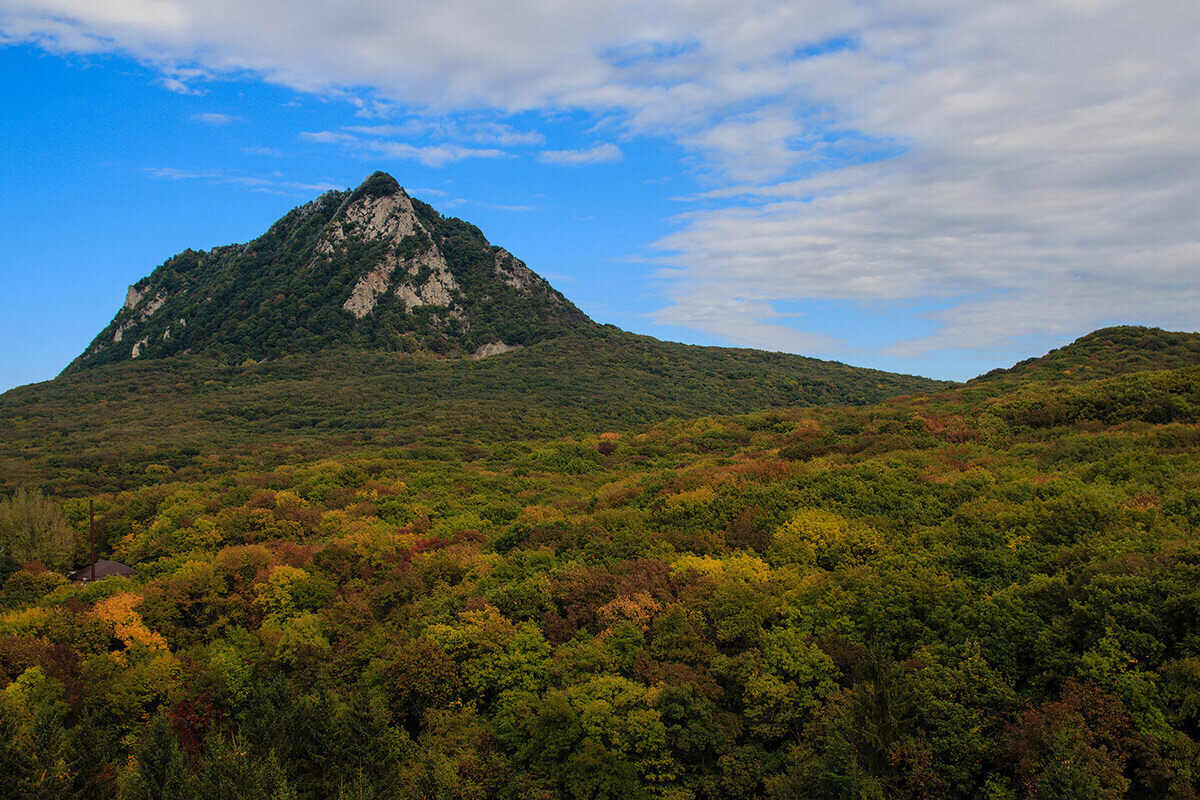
{"type": "Point", "coordinates": [991, 591]}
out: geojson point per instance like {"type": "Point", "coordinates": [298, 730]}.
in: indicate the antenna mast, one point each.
{"type": "Point", "coordinates": [92, 533]}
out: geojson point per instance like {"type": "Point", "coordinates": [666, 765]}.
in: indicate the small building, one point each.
{"type": "Point", "coordinates": [104, 569]}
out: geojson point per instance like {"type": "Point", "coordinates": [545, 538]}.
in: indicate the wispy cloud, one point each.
{"type": "Point", "coordinates": [274, 184]}
{"type": "Point", "coordinates": [214, 119]}
{"type": "Point", "coordinates": [264, 151]}
{"type": "Point", "coordinates": [443, 129]}
{"type": "Point", "coordinates": [1046, 185]}
{"type": "Point", "coordinates": [433, 142]}
{"type": "Point", "coordinates": [604, 153]}
{"type": "Point", "coordinates": [182, 80]}
{"type": "Point", "coordinates": [179, 87]}
{"type": "Point", "coordinates": [329, 137]}
{"type": "Point", "coordinates": [432, 155]}
{"type": "Point", "coordinates": [745, 320]}
{"type": "Point", "coordinates": [519, 209]}
{"type": "Point", "coordinates": [435, 155]}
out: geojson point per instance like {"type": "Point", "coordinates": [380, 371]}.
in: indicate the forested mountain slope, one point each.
{"type": "Point", "coordinates": [596, 566]}
{"type": "Point", "coordinates": [102, 427]}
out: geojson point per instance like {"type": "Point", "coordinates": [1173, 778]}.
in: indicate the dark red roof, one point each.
{"type": "Point", "coordinates": [104, 569]}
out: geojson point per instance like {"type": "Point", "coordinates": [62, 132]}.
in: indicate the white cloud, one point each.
{"type": "Point", "coordinates": [434, 155]}
{"type": "Point", "coordinates": [747, 321]}
{"type": "Point", "coordinates": [518, 209]}
{"type": "Point", "coordinates": [1050, 181]}
{"type": "Point", "coordinates": [179, 87]}
{"type": "Point", "coordinates": [329, 137]}
{"type": "Point", "coordinates": [373, 141]}
{"type": "Point", "coordinates": [604, 153]}
{"type": "Point", "coordinates": [1042, 165]}
{"type": "Point", "coordinates": [669, 62]}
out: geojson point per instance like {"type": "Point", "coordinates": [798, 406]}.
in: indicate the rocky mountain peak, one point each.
{"type": "Point", "coordinates": [413, 267]}
{"type": "Point", "coordinates": [376, 214]}
{"type": "Point", "coordinates": [371, 268]}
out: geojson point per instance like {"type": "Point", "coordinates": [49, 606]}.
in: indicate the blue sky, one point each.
{"type": "Point", "coordinates": [928, 188]}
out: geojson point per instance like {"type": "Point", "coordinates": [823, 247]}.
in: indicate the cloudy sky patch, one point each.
{"type": "Point", "coordinates": [982, 175]}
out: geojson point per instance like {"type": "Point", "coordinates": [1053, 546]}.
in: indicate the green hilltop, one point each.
{"type": "Point", "coordinates": [1104, 353]}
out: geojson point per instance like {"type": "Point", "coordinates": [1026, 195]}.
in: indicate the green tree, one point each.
{"type": "Point", "coordinates": [34, 528]}
{"type": "Point", "coordinates": [161, 770]}
{"type": "Point", "coordinates": [599, 739]}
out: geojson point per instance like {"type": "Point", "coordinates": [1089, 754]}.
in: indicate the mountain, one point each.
{"type": "Point", "coordinates": [370, 268]}
{"type": "Point", "coordinates": [599, 565]}
{"type": "Point", "coordinates": [344, 324]}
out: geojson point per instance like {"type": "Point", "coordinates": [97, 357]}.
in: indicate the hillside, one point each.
{"type": "Point", "coordinates": [365, 317]}
{"type": "Point", "coordinates": [105, 425]}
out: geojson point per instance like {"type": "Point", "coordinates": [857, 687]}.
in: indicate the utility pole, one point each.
{"type": "Point", "coordinates": [92, 533]}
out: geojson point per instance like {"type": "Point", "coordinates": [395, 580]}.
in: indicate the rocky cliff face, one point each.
{"type": "Point", "coordinates": [370, 268]}
{"type": "Point", "coordinates": [413, 267]}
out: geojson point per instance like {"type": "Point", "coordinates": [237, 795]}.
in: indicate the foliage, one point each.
{"type": "Point", "coordinates": [1104, 353]}
{"type": "Point", "coordinates": [33, 527]}
{"type": "Point", "coordinates": [965, 595]}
